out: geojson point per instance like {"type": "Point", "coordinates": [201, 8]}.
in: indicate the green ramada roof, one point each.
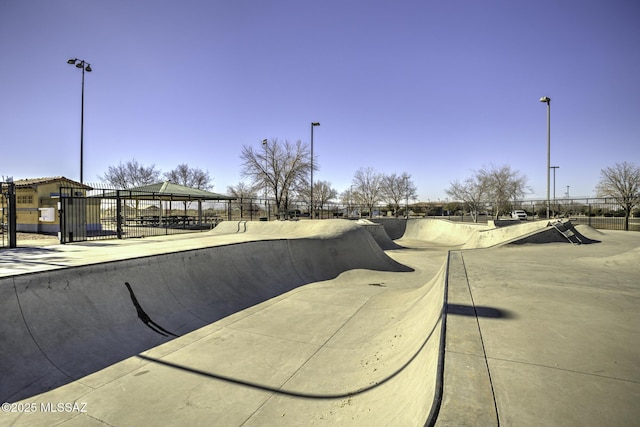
{"type": "Point", "coordinates": [175, 191]}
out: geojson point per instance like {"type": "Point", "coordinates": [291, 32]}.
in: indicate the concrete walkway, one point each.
{"type": "Point", "coordinates": [544, 335]}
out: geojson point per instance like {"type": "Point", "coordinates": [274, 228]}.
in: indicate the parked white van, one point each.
{"type": "Point", "coordinates": [521, 215]}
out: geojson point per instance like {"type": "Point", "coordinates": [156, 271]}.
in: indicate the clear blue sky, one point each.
{"type": "Point", "coordinates": [437, 89]}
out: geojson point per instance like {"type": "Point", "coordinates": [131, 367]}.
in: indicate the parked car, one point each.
{"type": "Point", "coordinates": [521, 215]}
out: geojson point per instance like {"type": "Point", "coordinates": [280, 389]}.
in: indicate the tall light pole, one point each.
{"type": "Point", "coordinates": [266, 166]}
{"type": "Point", "coordinates": [350, 201]}
{"type": "Point", "coordinates": [555, 203]}
{"type": "Point", "coordinates": [85, 66]}
{"type": "Point", "coordinates": [548, 101]}
{"type": "Point", "coordinates": [406, 190]}
{"type": "Point", "coordinates": [313, 124]}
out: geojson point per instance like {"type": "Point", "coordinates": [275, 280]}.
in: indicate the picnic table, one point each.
{"type": "Point", "coordinates": [165, 221]}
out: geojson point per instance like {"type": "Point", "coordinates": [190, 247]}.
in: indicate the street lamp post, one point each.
{"type": "Point", "coordinates": [548, 101]}
{"type": "Point", "coordinates": [266, 166]}
{"type": "Point", "coordinates": [313, 124]}
{"type": "Point", "coordinates": [406, 190]}
{"type": "Point", "coordinates": [351, 201]}
{"type": "Point", "coordinates": [555, 203]}
{"type": "Point", "coordinates": [85, 66]}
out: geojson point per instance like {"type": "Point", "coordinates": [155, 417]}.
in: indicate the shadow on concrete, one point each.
{"type": "Point", "coordinates": [305, 394]}
{"type": "Point", "coordinates": [479, 311]}
{"type": "Point", "coordinates": [14, 258]}
{"type": "Point", "coordinates": [301, 394]}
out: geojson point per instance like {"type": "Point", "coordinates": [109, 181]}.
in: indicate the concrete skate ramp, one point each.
{"type": "Point", "coordinates": [440, 231]}
{"type": "Point", "coordinates": [60, 325]}
{"type": "Point", "coordinates": [395, 227]}
{"type": "Point", "coordinates": [520, 232]}
{"type": "Point", "coordinates": [478, 236]}
{"type": "Point", "coordinates": [589, 232]}
{"type": "Point", "coordinates": [337, 228]}
{"type": "Point", "coordinates": [379, 234]}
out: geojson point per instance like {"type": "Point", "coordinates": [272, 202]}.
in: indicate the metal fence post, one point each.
{"type": "Point", "coordinates": [118, 215]}
{"type": "Point", "coordinates": [11, 199]}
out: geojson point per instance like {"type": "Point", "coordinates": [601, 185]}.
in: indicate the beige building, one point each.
{"type": "Point", "coordinates": [37, 202]}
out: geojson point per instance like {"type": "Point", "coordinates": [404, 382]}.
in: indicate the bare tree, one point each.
{"type": "Point", "coordinates": [130, 174]}
{"type": "Point", "coordinates": [244, 195]}
{"type": "Point", "coordinates": [398, 189]}
{"type": "Point", "coordinates": [280, 167]}
{"type": "Point", "coordinates": [190, 177]}
{"type": "Point", "coordinates": [323, 193]}
{"type": "Point", "coordinates": [367, 184]}
{"type": "Point", "coordinates": [503, 186]}
{"type": "Point", "coordinates": [349, 198]}
{"type": "Point", "coordinates": [621, 182]}
{"type": "Point", "coordinates": [496, 186]}
{"type": "Point", "coordinates": [471, 193]}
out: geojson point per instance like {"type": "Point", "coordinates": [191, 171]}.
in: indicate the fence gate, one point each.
{"type": "Point", "coordinates": [73, 216]}
{"type": "Point", "coordinates": [4, 220]}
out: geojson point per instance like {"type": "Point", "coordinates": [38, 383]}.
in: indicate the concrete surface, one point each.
{"type": "Point", "coordinates": [330, 351]}
{"type": "Point", "coordinates": [310, 322]}
{"type": "Point", "coordinates": [379, 234]}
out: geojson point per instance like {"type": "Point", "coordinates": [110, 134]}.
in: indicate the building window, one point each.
{"type": "Point", "coordinates": [24, 199]}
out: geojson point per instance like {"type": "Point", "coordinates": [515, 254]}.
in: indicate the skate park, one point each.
{"type": "Point", "coordinates": [333, 322]}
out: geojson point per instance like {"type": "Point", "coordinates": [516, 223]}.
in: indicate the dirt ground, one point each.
{"type": "Point", "coordinates": [34, 236]}
{"type": "Point", "coordinates": [32, 239]}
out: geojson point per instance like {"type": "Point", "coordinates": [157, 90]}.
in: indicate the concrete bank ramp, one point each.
{"type": "Point", "coordinates": [379, 234]}
{"type": "Point", "coordinates": [519, 232]}
{"type": "Point", "coordinates": [395, 227]}
{"type": "Point", "coordinates": [325, 229]}
{"type": "Point", "coordinates": [303, 229]}
{"type": "Point", "coordinates": [477, 236]}
{"type": "Point", "coordinates": [60, 325]}
{"type": "Point", "coordinates": [440, 231]}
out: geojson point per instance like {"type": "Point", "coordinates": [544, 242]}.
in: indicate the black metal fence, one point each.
{"type": "Point", "coordinates": [107, 214]}
{"type": "Point", "coordinates": [261, 209]}
{"type": "Point", "coordinates": [4, 210]}
{"type": "Point", "coordinates": [7, 215]}
{"type": "Point", "coordinates": [602, 213]}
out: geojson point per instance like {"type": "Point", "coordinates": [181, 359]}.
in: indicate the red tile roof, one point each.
{"type": "Point", "coordinates": [36, 181]}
